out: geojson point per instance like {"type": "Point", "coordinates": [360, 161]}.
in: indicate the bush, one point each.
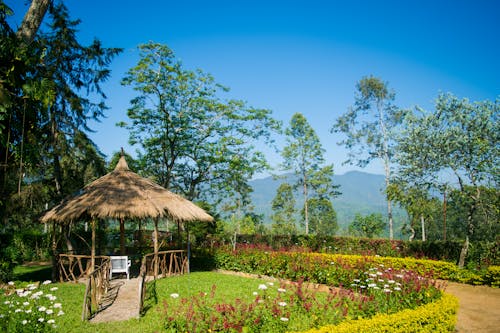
{"type": "Point", "coordinates": [439, 316]}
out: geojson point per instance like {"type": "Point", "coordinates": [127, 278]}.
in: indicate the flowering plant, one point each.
{"type": "Point", "coordinates": [32, 308]}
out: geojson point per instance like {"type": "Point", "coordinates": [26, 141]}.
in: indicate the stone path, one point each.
{"type": "Point", "coordinates": [121, 302]}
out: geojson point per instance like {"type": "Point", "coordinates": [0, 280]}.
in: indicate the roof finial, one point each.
{"type": "Point", "coordinates": [123, 152]}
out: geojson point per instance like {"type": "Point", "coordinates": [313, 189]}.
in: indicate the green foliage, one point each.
{"type": "Point", "coordinates": [193, 142]}
{"type": "Point", "coordinates": [367, 226]}
{"type": "Point", "coordinates": [283, 206]}
{"type": "Point", "coordinates": [370, 127]}
{"type": "Point", "coordinates": [460, 138]}
{"type": "Point", "coordinates": [322, 217]}
{"type": "Point", "coordinates": [439, 316]}
{"type": "Point", "coordinates": [303, 154]}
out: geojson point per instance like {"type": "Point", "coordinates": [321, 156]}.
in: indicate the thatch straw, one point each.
{"type": "Point", "coordinates": [124, 194]}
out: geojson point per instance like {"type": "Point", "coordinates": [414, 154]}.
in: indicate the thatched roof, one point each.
{"type": "Point", "coordinates": [124, 194]}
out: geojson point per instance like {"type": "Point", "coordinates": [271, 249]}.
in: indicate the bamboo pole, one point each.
{"type": "Point", "coordinates": [122, 237]}
{"type": "Point", "coordinates": [92, 251]}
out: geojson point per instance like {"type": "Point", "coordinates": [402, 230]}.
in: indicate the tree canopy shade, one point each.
{"type": "Point", "coordinates": [193, 142]}
{"type": "Point", "coordinates": [124, 194]}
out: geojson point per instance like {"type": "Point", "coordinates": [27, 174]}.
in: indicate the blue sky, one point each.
{"type": "Point", "coordinates": [302, 56]}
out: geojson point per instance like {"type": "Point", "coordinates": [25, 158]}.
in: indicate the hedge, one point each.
{"type": "Point", "coordinates": [338, 269]}
{"type": "Point", "coordinates": [439, 316]}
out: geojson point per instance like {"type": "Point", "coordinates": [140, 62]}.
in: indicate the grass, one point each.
{"type": "Point", "coordinates": [71, 296]}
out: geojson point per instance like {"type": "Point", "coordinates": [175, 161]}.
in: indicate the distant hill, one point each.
{"type": "Point", "coordinates": [361, 193]}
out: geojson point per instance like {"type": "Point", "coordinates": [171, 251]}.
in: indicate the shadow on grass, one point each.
{"type": "Point", "coordinates": [31, 273]}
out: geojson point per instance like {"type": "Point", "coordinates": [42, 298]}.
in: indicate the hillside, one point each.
{"type": "Point", "coordinates": [361, 193]}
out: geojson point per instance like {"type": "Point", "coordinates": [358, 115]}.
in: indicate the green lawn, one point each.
{"type": "Point", "coordinates": [228, 288]}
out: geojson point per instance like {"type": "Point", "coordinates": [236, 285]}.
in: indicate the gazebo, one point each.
{"type": "Point", "coordinates": [123, 194]}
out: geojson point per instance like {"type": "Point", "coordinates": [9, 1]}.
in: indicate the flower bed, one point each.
{"type": "Point", "coordinates": [338, 269]}
{"type": "Point", "coordinates": [32, 308]}
{"type": "Point", "coordinates": [284, 306]}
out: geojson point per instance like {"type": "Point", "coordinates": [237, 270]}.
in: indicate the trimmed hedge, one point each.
{"type": "Point", "coordinates": [481, 254]}
{"type": "Point", "coordinates": [439, 316]}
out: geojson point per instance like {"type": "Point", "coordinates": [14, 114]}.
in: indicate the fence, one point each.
{"type": "Point", "coordinates": [97, 287]}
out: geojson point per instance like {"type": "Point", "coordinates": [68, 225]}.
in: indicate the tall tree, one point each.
{"type": "Point", "coordinates": [192, 141]}
{"type": "Point", "coordinates": [303, 154]}
{"type": "Point", "coordinates": [459, 141]}
{"type": "Point", "coordinates": [370, 126]}
{"type": "Point", "coordinates": [283, 206]}
{"type": "Point", "coordinates": [32, 20]}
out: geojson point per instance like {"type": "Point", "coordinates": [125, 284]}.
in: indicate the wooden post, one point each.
{"type": "Point", "coordinates": [92, 251]}
{"type": "Point", "coordinates": [122, 237]}
{"type": "Point", "coordinates": [155, 243]}
{"type": "Point", "coordinates": [54, 253]}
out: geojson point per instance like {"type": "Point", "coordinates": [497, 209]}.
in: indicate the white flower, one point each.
{"type": "Point", "coordinates": [57, 305]}
{"type": "Point", "coordinates": [11, 283]}
{"type": "Point", "coordinates": [6, 302]}
{"type": "Point", "coordinates": [379, 273]}
{"type": "Point", "coordinates": [357, 280]}
{"type": "Point", "coordinates": [262, 287]}
{"type": "Point", "coordinates": [26, 303]}
{"type": "Point", "coordinates": [60, 313]}
{"type": "Point", "coordinates": [52, 298]}
{"type": "Point", "coordinates": [53, 289]}
{"type": "Point", "coordinates": [284, 319]}
{"type": "Point", "coordinates": [28, 311]}
{"type": "Point", "coordinates": [270, 283]}
{"type": "Point", "coordinates": [390, 281]}
{"type": "Point", "coordinates": [399, 276]}
{"type": "Point", "coordinates": [42, 309]}
{"type": "Point", "coordinates": [24, 322]}
{"type": "Point", "coordinates": [41, 320]}
{"type": "Point", "coordinates": [373, 275]}
{"type": "Point", "coordinates": [49, 311]}
{"type": "Point", "coordinates": [18, 310]}
{"type": "Point", "coordinates": [387, 290]}
{"type": "Point", "coordinates": [255, 293]}
{"type": "Point", "coordinates": [372, 285]}
{"type": "Point", "coordinates": [282, 303]}
{"type": "Point", "coordinates": [174, 295]}
{"type": "Point", "coordinates": [281, 290]}
{"type": "Point", "coordinates": [47, 282]}
{"type": "Point", "coordinates": [260, 301]}
{"type": "Point", "coordinates": [397, 288]}
{"type": "Point", "coordinates": [51, 321]}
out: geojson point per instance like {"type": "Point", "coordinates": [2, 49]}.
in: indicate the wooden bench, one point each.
{"type": "Point", "coordinates": [120, 264]}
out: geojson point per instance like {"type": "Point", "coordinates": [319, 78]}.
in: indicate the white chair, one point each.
{"type": "Point", "coordinates": [120, 264]}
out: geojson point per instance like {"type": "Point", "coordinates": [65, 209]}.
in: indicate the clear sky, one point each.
{"type": "Point", "coordinates": [302, 56]}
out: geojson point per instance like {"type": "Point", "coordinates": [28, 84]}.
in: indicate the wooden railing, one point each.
{"type": "Point", "coordinates": [72, 267]}
{"type": "Point", "coordinates": [166, 263]}
{"type": "Point", "coordinates": [97, 287]}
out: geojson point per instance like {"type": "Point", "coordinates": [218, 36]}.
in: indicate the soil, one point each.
{"type": "Point", "coordinates": [479, 308]}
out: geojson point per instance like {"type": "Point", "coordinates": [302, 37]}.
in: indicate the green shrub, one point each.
{"type": "Point", "coordinates": [439, 316]}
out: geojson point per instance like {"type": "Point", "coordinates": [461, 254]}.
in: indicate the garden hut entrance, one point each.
{"type": "Point", "coordinates": [120, 194]}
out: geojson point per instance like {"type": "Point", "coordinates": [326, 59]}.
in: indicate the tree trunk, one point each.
{"type": "Point", "coordinates": [306, 210]}
{"type": "Point", "coordinates": [412, 235]}
{"type": "Point", "coordinates": [422, 223]}
{"type": "Point", "coordinates": [463, 252]}
{"type": "Point", "coordinates": [32, 20]}
{"type": "Point", "coordinates": [66, 230]}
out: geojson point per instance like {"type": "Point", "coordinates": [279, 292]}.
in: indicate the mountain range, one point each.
{"type": "Point", "coordinates": [361, 193]}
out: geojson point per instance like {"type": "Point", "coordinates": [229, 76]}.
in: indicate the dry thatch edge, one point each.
{"type": "Point", "coordinates": [124, 194]}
